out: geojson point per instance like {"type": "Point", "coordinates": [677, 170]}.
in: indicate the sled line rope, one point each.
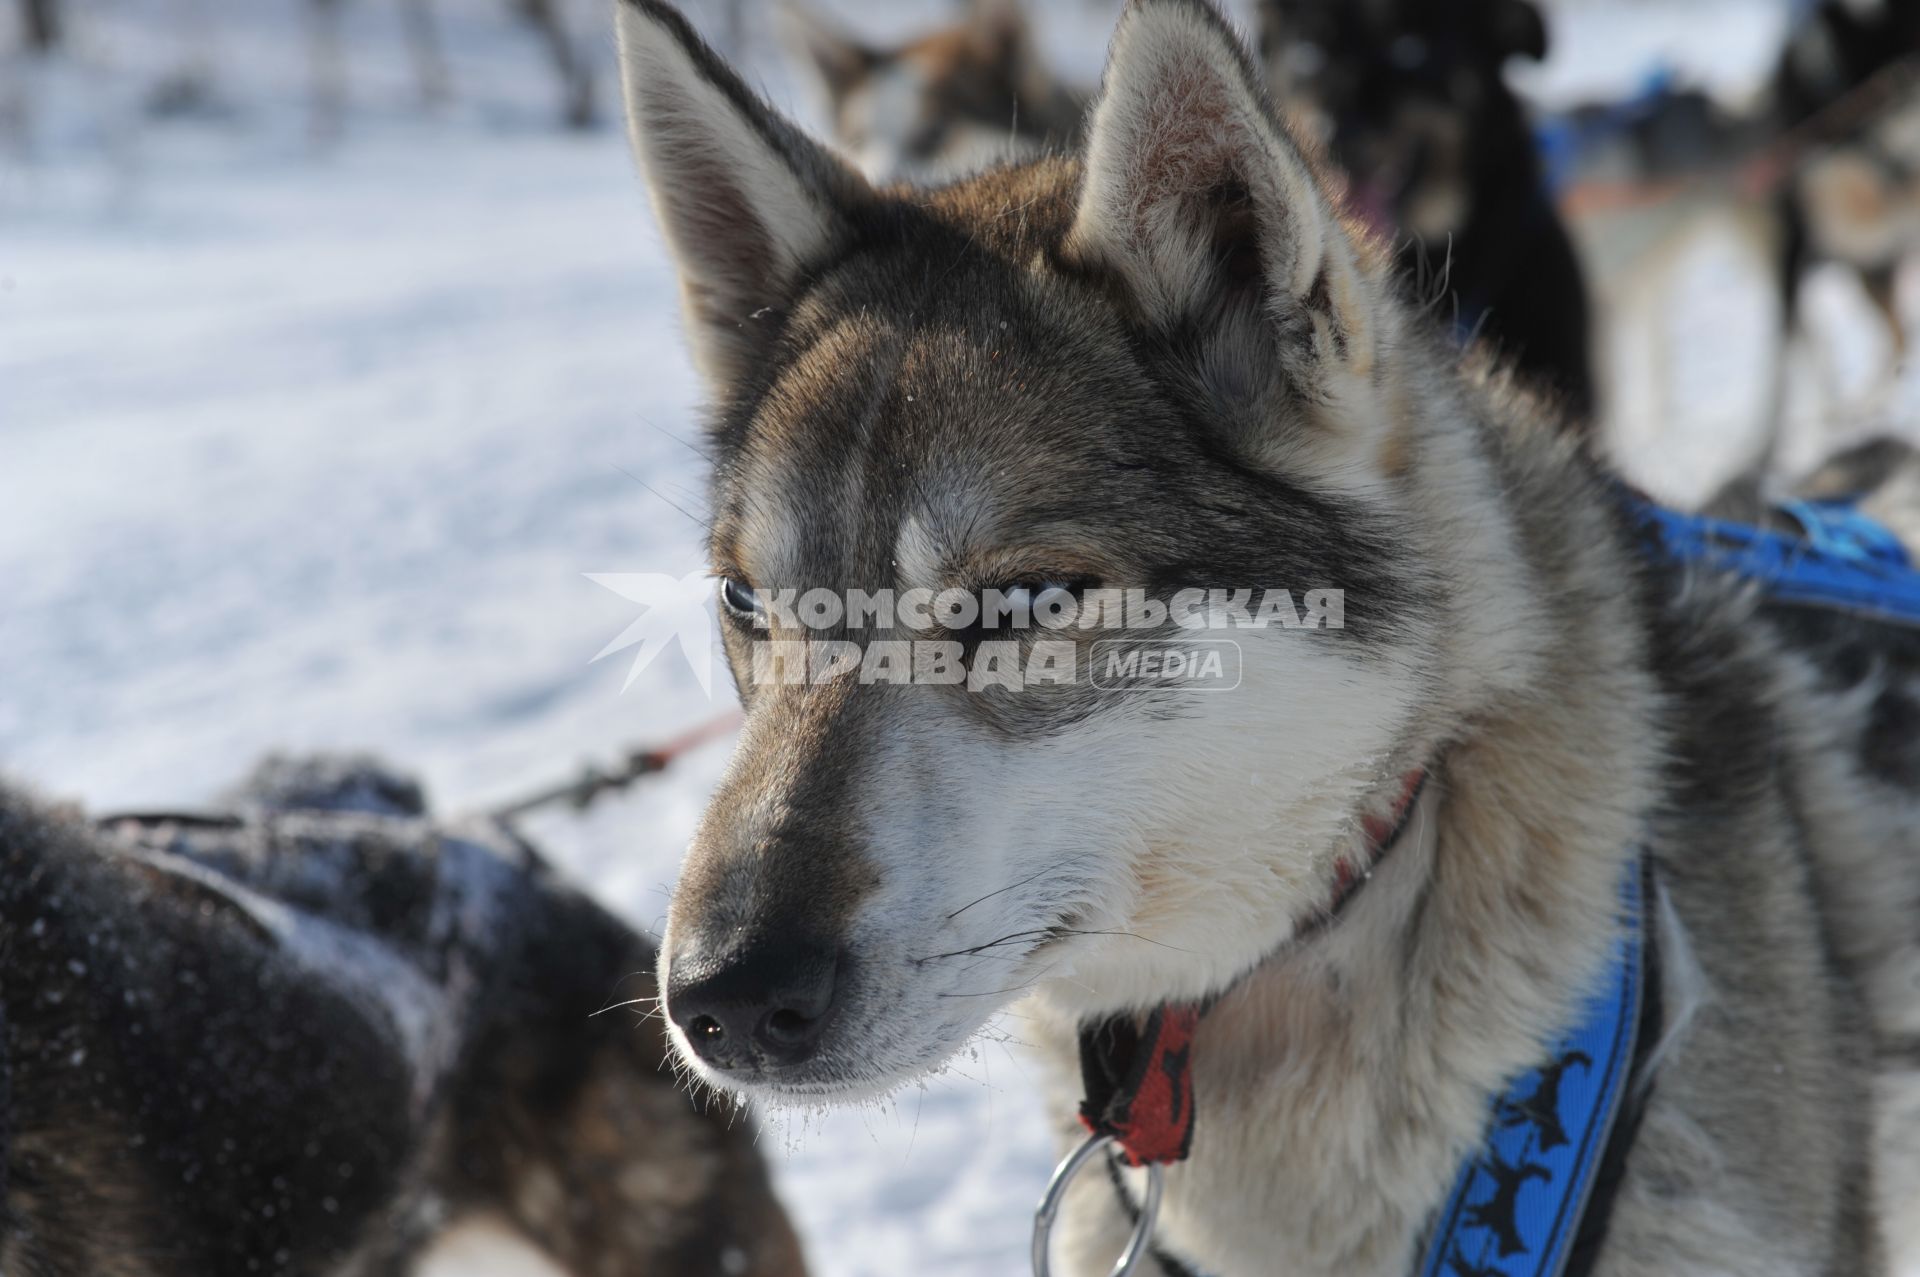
{"type": "Point", "coordinates": [1765, 172]}
{"type": "Point", "coordinates": [594, 781]}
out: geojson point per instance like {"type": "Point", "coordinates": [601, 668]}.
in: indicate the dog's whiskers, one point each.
{"type": "Point", "coordinates": [630, 1002]}
{"type": "Point", "coordinates": [1049, 933]}
{"type": "Point", "coordinates": [994, 993]}
{"type": "Point", "coordinates": [991, 944]}
{"type": "Point", "coordinates": [1012, 886]}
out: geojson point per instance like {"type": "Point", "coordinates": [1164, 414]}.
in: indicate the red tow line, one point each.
{"type": "Point", "coordinates": [592, 782]}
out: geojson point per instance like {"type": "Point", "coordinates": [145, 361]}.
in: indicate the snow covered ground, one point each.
{"type": "Point", "coordinates": [310, 446]}
{"type": "Point", "coordinates": [303, 450]}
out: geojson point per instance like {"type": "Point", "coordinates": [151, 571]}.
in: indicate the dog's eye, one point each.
{"type": "Point", "coordinates": [1045, 597]}
{"type": "Point", "coordinates": [1024, 595]}
{"type": "Point", "coordinates": [739, 598]}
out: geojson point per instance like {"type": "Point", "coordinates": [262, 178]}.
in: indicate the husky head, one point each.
{"type": "Point", "coordinates": [946, 102]}
{"type": "Point", "coordinates": [1163, 366]}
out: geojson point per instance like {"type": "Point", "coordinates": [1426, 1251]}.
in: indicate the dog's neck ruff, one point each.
{"type": "Point", "coordinates": [1138, 1077]}
{"type": "Point", "coordinates": [1532, 1200]}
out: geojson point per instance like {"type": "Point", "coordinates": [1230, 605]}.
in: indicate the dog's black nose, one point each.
{"type": "Point", "coordinates": [764, 1006]}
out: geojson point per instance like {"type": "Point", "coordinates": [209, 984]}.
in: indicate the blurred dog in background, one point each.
{"type": "Point", "coordinates": [319, 1033]}
{"type": "Point", "coordinates": [943, 104]}
{"type": "Point", "coordinates": [1850, 80]}
{"type": "Point", "coordinates": [1408, 97]}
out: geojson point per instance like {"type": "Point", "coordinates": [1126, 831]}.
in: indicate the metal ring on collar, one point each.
{"type": "Point", "coordinates": [1049, 1210]}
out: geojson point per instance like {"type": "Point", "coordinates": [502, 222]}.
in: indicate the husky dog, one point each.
{"type": "Point", "coordinates": [322, 1034]}
{"type": "Point", "coordinates": [1173, 361]}
{"type": "Point", "coordinates": [950, 101]}
{"type": "Point", "coordinates": [1409, 97]}
{"type": "Point", "coordinates": [1856, 199]}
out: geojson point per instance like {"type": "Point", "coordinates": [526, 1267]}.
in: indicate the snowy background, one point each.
{"type": "Point", "coordinates": [310, 442]}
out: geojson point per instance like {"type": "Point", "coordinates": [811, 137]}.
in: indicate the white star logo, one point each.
{"type": "Point", "coordinates": [676, 608]}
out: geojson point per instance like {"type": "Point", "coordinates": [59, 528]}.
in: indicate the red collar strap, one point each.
{"type": "Point", "coordinates": [1139, 1082]}
{"type": "Point", "coordinates": [1138, 1078]}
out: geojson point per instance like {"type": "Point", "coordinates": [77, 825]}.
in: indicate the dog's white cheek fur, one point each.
{"type": "Point", "coordinates": [1289, 754]}
{"type": "Point", "coordinates": [1130, 827]}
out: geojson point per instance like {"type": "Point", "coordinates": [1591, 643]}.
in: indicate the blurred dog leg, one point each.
{"type": "Point", "coordinates": [485, 1244]}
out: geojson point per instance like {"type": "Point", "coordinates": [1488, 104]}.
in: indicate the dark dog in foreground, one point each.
{"type": "Point", "coordinates": [312, 1036]}
{"type": "Point", "coordinates": [1409, 99]}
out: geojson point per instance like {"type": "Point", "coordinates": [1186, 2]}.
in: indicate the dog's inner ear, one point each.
{"type": "Point", "coordinates": [1236, 238]}
{"type": "Point", "coordinates": [746, 202]}
{"type": "Point", "coordinates": [1194, 197]}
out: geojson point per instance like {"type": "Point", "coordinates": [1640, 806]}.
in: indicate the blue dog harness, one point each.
{"type": "Point", "coordinates": [1841, 559]}
{"type": "Point", "coordinates": [1560, 1133]}
{"type": "Point", "coordinates": [1532, 1202]}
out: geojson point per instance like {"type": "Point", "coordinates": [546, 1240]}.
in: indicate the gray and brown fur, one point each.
{"type": "Point", "coordinates": [315, 1033]}
{"type": "Point", "coordinates": [1168, 361]}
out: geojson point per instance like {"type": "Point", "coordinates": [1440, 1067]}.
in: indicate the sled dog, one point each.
{"type": "Point", "coordinates": [1847, 83]}
{"type": "Point", "coordinates": [957, 98]}
{"type": "Point", "coordinates": [1410, 97]}
{"type": "Point", "coordinates": [319, 1035]}
{"type": "Point", "coordinates": [1170, 365]}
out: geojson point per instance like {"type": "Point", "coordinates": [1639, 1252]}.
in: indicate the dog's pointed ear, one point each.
{"type": "Point", "coordinates": [746, 201]}
{"type": "Point", "coordinates": [836, 57]}
{"type": "Point", "coordinates": [1194, 196]}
